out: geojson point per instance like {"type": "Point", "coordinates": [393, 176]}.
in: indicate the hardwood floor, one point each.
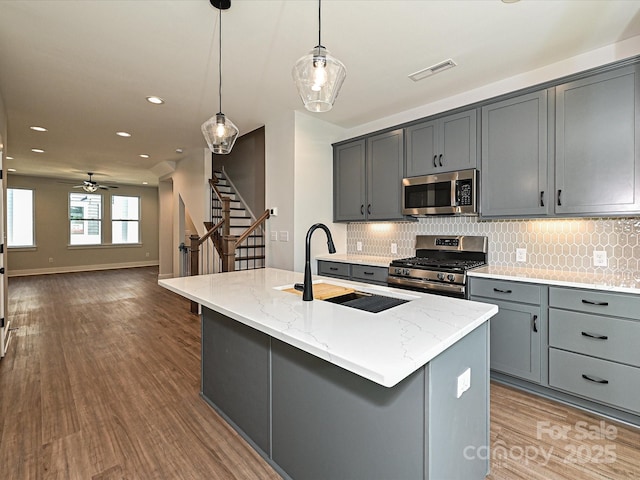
{"type": "Point", "coordinates": [101, 382]}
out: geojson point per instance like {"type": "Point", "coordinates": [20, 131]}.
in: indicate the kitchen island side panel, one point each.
{"type": "Point", "coordinates": [331, 424]}
{"type": "Point", "coordinates": [235, 374]}
{"type": "Point", "coordinates": [458, 428]}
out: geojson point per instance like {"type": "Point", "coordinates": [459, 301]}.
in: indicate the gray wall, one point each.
{"type": "Point", "coordinates": [52, 231]}
{"type": "Point", "coordinates": [245, 167]}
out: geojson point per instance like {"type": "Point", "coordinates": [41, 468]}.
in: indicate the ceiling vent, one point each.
{"type": "Point", "coordinates": [432, 70]}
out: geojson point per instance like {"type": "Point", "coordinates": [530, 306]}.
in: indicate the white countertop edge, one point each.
{"type": "Point", "coordinates": [608, 283]}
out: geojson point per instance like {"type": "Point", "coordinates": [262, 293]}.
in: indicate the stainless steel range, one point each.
{"type": "Point", "coordinates": [440, 265]}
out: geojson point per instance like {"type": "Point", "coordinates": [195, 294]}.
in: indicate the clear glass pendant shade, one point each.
{"type": "Point", "coordinates": [318, 77]}
{"type": "Point", "coordinates": [220, 133]}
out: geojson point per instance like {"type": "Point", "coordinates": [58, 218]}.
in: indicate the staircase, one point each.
{"type": "Point", "coordinates": [250, 254]}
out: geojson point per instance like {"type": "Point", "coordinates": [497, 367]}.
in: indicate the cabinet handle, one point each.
{"type": "Point", "coordinates": [361, 209]}
{"type": "Point", "coordinates": [368, 273]}
{"type": "Point", "coordinates": [535, 323]}
{"type": "Point", "coordinates": [559, 197]}
{"type": "Point", "coordinates": [440, 159]}
{"type": "Point", "coordinates": [590, 302]}
{"type": "Point", "coordinates": [333, 268]}
{"type": "Point", "coordinates": [501, 291]}
{"type": "Point", "coordinates": [369, 209]}
{"type": "Point", "coordinates": [595, 380]}
{"type": "Point", "coordinates": [542, 198]}
{"type": "Point", "coordinates": [435, 157]}
{"type": "Point", "coordinates": [596, 336]}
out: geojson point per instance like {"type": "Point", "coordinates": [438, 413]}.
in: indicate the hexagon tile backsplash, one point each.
{"type": "Point", "coordinates": [566, 244]}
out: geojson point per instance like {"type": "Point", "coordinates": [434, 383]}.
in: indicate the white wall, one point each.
{"type": "Point", "coordinates": [313, 188]}
{"type": "Point", "coordinates": [279, 192]}
{"type": "Point", "coordinates": [166, 251]}
{"type": "Point", "coordinates": [595, 58]}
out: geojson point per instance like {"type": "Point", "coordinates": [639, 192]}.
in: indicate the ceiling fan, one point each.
{"type": "Point", "coordinates": [91, 185]}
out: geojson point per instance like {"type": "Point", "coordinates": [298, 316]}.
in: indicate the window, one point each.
{"type": "Point", "coordinates": [20, 218]}
{"type": "Point", "coordinates": [85, 219]}
{"type": "Point", "coordinates": [125, 219]}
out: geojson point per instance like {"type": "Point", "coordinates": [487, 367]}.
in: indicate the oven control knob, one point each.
{"type": "Point", "coordinates": [451, 277]}
{"type": "Point", "coordinates": [440, 276]}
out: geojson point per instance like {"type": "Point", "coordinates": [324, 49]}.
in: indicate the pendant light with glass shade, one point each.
{"type": "Point", "coordinates": [220, 132]}
{"type": "Point", "coordinates": [319, 76]}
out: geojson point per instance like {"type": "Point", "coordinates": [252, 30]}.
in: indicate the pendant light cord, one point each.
{"type": "Point", "coordinates": [319, 23]}
{"type": "Point", "coordinates": [220, 60]}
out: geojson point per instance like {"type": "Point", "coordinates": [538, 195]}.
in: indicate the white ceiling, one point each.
{"type": "Point", "coordinates": [82, 68]}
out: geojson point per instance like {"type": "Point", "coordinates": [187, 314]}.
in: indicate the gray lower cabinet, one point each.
{"type": "Point", "coordinates": [517, 329]}
{"type": "Point", "coordinates": [593, 340]}
{"type": "Point", "coordinates": [313, 420]}
{"type": "Point", "coordinates": [441, 145]}
{"type": "Point", "coordinates": [597, 151]}
{"type": "Point", "coordinates": [353, 271]}
{"type": "Point", "coordinates": [514, 163]}
{"type": "Point", "coordinates": [367, 178]}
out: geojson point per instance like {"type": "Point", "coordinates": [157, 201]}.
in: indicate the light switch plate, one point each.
{"type": "Point", "coordinates": [464, 382]}
{"type": "Point", "coordinates": [359, 246]}
{"type": "Point", "coordinates": [600, 258]}
{"type": "Point", "coordinates": [521, 254]}
{"type": "Point", "coordinates": [394, 248]}
{"type": "Point", "coordinates": [284, 236]}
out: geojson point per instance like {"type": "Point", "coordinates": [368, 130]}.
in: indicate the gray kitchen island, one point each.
{"type": "Point", "coordinates": [325, 391]}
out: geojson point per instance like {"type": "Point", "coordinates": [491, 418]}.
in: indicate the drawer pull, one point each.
{"type": "Point", "coordinates": [501, 291]}
{"type": "Point", "coordinates": [368, 273]}
{"type": "Point", "coordinates": [595, 380]}
{"type": "Point", "coordinates": [435, 164]}
{"type": "Point", "coordinates": [597, 337]}
{"type": "Point", "coordinates": [590, 302]}
{"type": "Point", "coordinates": [535, 323]}
{"type": "Point", "coordinates": [333, 268]}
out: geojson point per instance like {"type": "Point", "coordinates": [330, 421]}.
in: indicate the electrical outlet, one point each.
{"type": "Point", "coordinates": [50, 259]}
{"type": "Point", "coordinates": [146, 254]}
{"type": "Point", "coordinates": [464, 382]}
{"type": "Point", "coordinates": [359, 246]}
{"type": "Point", "coordinates": [274, 236]}
{"type": "Point", "coordinates": [394, 248]}
{"type": "Point", "coordinates": [521, 254]}
{"type": "Point", "coordinates": [600, 258]}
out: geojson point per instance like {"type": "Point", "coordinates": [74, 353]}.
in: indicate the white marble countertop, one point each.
{"type": "Point", "coordinates": [383, 347]}
{"type": "Point", "coordinates": [624, 283]}
{"type": "Point", "coordinates": [369, 260]}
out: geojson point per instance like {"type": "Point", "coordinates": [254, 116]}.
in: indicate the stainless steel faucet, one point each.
{"type": "Point", "coordinates": [307, 292]}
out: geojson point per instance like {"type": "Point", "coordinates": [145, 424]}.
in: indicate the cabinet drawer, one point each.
{"type": "Point", "coordinates": [607, 338]}
{"type": "Point", "coordinates": [504, 290]}
{"type": "Point", "coordinates": [334, 269]}
{"type": "Point", "coordinates": [614, 304]}
{"type": "Point", "coordinates": [369, 274]}
{"type": "Point", "coordinates": [601, 380]}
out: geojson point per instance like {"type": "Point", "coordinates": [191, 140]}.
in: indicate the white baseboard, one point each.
{"type": "Point", "coordinates": [79, 268]}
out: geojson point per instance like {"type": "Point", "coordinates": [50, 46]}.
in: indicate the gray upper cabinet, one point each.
{"type": "Point", "coordinates": [442, 145]}
{"type": "Point", "coordinates": [349, 191]}
{"type": "Point", "coordinates": [597, 160]}
{"type": "Point", "coordinates": [514, 157]}
{"type": "Point", "coordinates": [368, 178]}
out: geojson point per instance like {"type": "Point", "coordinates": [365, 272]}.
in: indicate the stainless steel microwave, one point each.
{"type": "Point", "coordinates": [451, 193]}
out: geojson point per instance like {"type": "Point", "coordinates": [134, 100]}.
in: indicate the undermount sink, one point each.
{"type": "Point", "coordinates": [349, 297]}
{"type": "Point", "coordinates": [369, 302]}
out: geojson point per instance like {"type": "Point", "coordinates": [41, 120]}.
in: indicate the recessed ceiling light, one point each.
{"type": "Point", "coordinates": [9, 158]}
{"type": "Point", "coordinates": [145, 183]}
{"type": "Point", "coordinates": [432, 70]}
{"type": "Point", "coordinates": [510, 1]}
{"type": "Point", "coordinates": [155, 100]}
{"type": "Point", "coordinates": [37, 150]}
{"type": "Point", "coordinates": [123, 134]}
{"type": "Point", "coordinates": [38, 129]}
{"type": "Point", "coordinates": [11, 169]}
{"type": "Point", "coordinates": [179, 150]}
{"type": "Point", "coordinates": [143, 155]}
